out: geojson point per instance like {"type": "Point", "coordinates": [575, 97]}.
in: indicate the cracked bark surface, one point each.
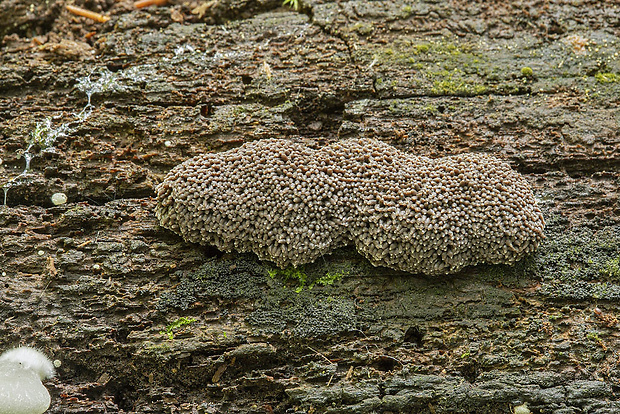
{"type": "Point", "coordinates": [143, 322]}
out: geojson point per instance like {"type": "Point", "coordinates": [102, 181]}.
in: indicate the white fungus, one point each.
{"type": "Point", "coordinates": [21, 372]}
{"type": "Point", "coordinates": [59, 198]}
{"type": "Point", "coordinates": [291, 204]}
{"type": "Point", "coordinates": [521, 409]}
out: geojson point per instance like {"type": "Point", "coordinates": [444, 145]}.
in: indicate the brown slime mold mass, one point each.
{"type": "Point", "coordinates": [291, 204]}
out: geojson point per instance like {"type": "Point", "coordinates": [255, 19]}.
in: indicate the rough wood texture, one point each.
{"type": "Point", "coordinates": [98, 285]}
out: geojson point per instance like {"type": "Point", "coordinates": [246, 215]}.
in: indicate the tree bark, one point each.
{"type": "Point", "coordinates": [143, 322]}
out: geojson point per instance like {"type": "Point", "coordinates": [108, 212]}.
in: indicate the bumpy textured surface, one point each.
{"type": "Point", "coordinates": [291, 204]}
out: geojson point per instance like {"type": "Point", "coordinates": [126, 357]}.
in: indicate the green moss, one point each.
{"type": "Point", "coordinates": [293, 4]}
{"type": "Point", "coordinates": [291, 274]}
{"type": "Point", "coordinates": [450, 87]}
{"type": "Point", "coordinates": [422, 48]}
{"type": "Point", "coordinates": [454, 83]}
{"type": "Point", "coordinates": [580, 254]}
{"type": "Point", "coordinates": [579, 262]}
{"type": "Point", "coordinates": [362, 28]}
{"type": "Point", "coordinates": [407, 11]}
{"type": "Point", "coordinates": [611, 269]}
{"type": "Point", "coordinates": [450, 55]}
{"type": "Point", "coordinates": [242, 281]}
{"type": "Point", "coordinates": [594, 337]}
{"type": "Point", "coordinates": [527, 72]}
{"type": "Point", "coordinates": [159, 349]}
{"type": "Point", "coordinates": [555, 317]}
{"type": "Point", "coordinates": [607, 77]}
{"type": "Point", "coordinates": [172, 327]}
{"type": "Point", "coordinates": [302, 280]}
{"type": "Point", "coordinates": [329, 279]}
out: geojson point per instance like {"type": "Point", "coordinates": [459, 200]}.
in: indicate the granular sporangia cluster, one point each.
{"type": "Point", "coordinates": [291, 204]}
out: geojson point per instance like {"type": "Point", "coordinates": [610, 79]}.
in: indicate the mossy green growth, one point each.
{"type": "Point", "coordinates": [183, 321]}
{"type": "Point", "coordinates": [291, 273]}
{"type": "Point", "coordinates": [580, 254]}
{"type": "Point", "coordinates": [160, 351]}
{"type": "Point", "coordinates": [328, 279]}
{"type": "Point", "coordinates": [299, 276]}
{"type": "Point", "coordinates": [451, 87]}
{"type": "Point", "coordinates": [241, 280]}
{"type": "Point", "coordinates": [454, 83]}
{"type": "Point", "coordinates": [361, 28]}
{"type": "Point", "coordinates": [527, 72]}
{"type": "Point", "coordinates": [293, 4]}
{"type": "Point", "coordinates": [579, 262]}
{"type": "Point", "coordinates": [447, 54]}
{"type": "Point", "coordinates": [431, 108]}
{"type": "Point", "coordinates": [407, 11]}
{"type": "Point", "coordinates": [611, 269]}
{"type": "Point", "coordinates": [607, 77]}
{"type": "Point", "coordinates": [421, 48]}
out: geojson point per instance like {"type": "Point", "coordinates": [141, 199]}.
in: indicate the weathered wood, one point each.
{"type": "Point", "coordinates": [98, 285]}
